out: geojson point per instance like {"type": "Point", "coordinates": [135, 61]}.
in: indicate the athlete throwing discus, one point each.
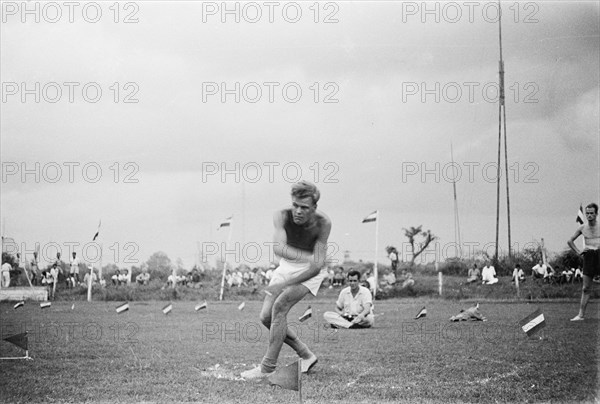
{"type": "Point", "coordinates": [300, 239]}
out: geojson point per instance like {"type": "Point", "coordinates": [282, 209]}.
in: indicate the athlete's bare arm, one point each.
{"type": "Point", "coordinates": [571, 242]}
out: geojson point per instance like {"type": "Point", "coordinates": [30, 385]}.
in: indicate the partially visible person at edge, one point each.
{"type": "Point", "coordinates": [590, 253]}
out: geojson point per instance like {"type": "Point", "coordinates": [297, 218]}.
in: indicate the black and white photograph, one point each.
{"type": "Point", "coordinates": [300, 201]}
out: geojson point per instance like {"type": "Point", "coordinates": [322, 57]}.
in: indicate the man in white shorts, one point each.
{"type": "Point", "coordinates": [300, 239]}
{"type": "Point", "coordinates": [590, 254]}
{"type": "Point", "coordinates": [74, 270]}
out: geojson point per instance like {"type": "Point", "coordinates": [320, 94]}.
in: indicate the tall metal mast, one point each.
{"type": "Point", "coordinates": [502, 125]}
{"type": "Point", "coordinates": [456, 220]}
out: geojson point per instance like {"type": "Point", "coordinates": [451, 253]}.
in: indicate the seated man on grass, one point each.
{"type": "Point", "coordinates": [518, 274]}
{"type": "Point", "coordinates": [539, 270]}
{"type": "Point", "coordinates": [143, 277]}
{"type": "Point", "coordinates": [566, 275]}
{"type": "Point", "coordinates": [577, 274]}
{"type": "Point", "coordinates": [551, 275]}
{"type": "Point", "coordinates": [389, 278]}
{"type": "Point", "coordinates": [406, 278]}
{"type": "Point", "coordinates": [116, 278]}
{"type": "Point", "coordinates": [86, 279]}
{"type": "Point", "coordinates": [473, 274]}
{"type": "Point", "coordinates": [488, 275]}
{"type": "Point", "coordinates": [354, 307]}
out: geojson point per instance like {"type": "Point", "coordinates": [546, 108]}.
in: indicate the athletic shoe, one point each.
{"type": "Point", "coordinates": [255, 374]}
{"type": "Point", "coordinates": [307, 364]}
{"type": "Point", "coordinates": [577, 318]}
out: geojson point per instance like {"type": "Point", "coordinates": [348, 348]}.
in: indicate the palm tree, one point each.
{"type": "Point", "coordinates": [419, 240]}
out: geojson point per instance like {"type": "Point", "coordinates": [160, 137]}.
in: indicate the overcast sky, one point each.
{"type": "Point", "coordinates": [362, 98]}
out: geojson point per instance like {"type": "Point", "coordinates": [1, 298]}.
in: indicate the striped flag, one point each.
{"type": "Point", "coordinates": [580, 216]}
{"type": "Point", "coordinates": [421, 313]}
{"type": "Point", "coordinates": [45, 305]}
{"type": "Point", "coordinates": [19, 340]}
{"type": "Point", "coordinates": [226, 222]}
{"type": "Point", "coordinates": [167, 309]}
{"type": "Point", "coordinates": [289, 377]}
{"type": "Point", "coordinates": [122, 308]}
{"type": "Point", "coordinates": [307, 314]}
{"type": "Point", "coordinates": [19, 304]}
{"type": "Point", "coordinates": [533, 323]}
{"type": "Point", "coordinates": [241, 306]}
{"type": "Point", "coordinates": [371, 217]}
{"type": "Point", "coordinates": [97, 231]}
{"type": "Point", "coordinates": [201, 306]}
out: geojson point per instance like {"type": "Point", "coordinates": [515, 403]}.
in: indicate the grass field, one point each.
{"type": "Point", "coordinates": [93, 354]}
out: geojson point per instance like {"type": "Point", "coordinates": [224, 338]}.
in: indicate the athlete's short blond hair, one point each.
{"type": "Point", "coordinates": [305, 189]}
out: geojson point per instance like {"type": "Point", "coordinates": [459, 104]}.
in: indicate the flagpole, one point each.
{"type": "Point", "coordinates": [100, 268]}
{"type": "Point", "coordinates": [89, 285]}
{"type": "Point", "coordinates": [58, 271]}
{"type": "Point", "coordinates": [243, 213]}
{"type": "Point", "coordinates": [225, 263]}
{"type": "Point", "coordinates": [543, 252]}
{"type": "Point", "coordinates": [26, 274]}
{"type": "Point", "coordinates": [89, 291]}
{"type": "Point", "coordinates": [376, 249]}
{"type": "Point", "coordinates": [583, 214]}
{"type": "Point", "coordinates": [456, 219]}
{"type": "Point", "coordinates": [174, 276]}
{"type": "Point", "coordinates": [211, 239]}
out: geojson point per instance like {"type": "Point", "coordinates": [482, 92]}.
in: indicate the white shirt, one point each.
{"type": "Point", "coordinates": [488, 273]}
{"type": "Point", "coordinates": [75, 265]}
{"type": "Point", "coordinates": [518, 272]}
{"type": "Point", "coordinates": [540, 269]}
{"type": "Point", "coordinates": [86, 278]}
{"type": "Point", "coordinates": [53, 274]}
{"type": "Point", "coordinates": [354, 305]}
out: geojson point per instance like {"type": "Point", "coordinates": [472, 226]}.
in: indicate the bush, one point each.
{"type": "Point", "coordinates": [567, 259]}
{"type": "Point", "coordinates": [454, 266]}
{"type": "Point", "coordinates": [396, 291]}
